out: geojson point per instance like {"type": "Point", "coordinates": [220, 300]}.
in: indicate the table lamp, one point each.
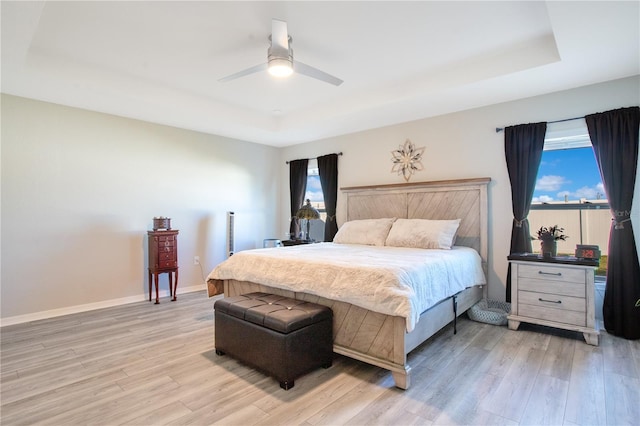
{"type": "Point", "coordinates": [308, 212]}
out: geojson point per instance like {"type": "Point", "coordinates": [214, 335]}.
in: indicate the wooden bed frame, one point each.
{"type": "Point", "coordinates": [381, 339]}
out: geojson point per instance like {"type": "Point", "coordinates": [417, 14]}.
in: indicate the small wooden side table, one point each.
{"type": "Point", "coordinates": [163, 258]}
{"type": "Point", "coordinates": [555, 292]}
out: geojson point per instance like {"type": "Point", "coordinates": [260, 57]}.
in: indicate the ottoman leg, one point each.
{"type": "Point", "coordinates": [219, 352]}
{"type": "Point", "coordinates": [287, 384]}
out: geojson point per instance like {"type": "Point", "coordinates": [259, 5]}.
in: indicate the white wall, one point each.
{"type": "Point", "coordinates": [80, 189]}
{"type": "Point", "coordinates": [464, 145]}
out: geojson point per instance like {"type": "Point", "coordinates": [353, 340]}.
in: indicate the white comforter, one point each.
{"type": "Point", "coordinates": [392, 280]}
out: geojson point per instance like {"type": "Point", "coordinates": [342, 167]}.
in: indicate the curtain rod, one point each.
{"type": "Point", "coordinates": [313, 158]}
{"type": "Point", "coordinates": [500, 129]}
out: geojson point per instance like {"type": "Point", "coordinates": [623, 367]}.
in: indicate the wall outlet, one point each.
{"type": "Point", "coordinates": [196, 260]}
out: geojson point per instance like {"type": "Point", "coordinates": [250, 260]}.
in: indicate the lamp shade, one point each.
{"type": "Point", "coordinates": [308, 212]}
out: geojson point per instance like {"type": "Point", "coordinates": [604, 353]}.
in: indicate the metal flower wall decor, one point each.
{"type": "Point", "coordinates": [407, 160]}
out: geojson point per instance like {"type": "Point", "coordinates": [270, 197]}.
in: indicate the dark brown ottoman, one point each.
{"type": "Point", "coordinates": [283, 337]}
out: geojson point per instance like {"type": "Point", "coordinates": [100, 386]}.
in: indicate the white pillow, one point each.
{"type": "Point", "coordinates": [371, 232]}
{"type": "Point", "coordinates": [423, 233]}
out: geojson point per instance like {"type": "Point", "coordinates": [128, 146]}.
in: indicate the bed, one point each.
{"type": "Point", "coordinates": [376, 334]}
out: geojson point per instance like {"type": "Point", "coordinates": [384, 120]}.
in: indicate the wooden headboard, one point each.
{"type": "Point", "coordinates": [464, 199]}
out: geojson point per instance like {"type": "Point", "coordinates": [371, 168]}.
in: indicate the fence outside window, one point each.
{"type": "Point", "coordinates": [584, 222]}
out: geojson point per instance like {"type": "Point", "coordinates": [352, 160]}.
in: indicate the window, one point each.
{"type": "Point", "coordinates": [568, 170]}
{"type": "Point", "coordinates": [569, 191]}
{"type": "Point", "coordinates": [315, 195]}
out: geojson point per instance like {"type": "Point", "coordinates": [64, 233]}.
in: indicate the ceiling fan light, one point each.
{"type": "Point", "coordinates": [279, 67]}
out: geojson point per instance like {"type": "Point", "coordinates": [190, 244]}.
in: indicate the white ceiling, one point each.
{"type": "Point", "coordinates": [400, 61]}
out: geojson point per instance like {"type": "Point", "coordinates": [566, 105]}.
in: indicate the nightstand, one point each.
{"type": "Point", "coordinates": [287, 243]}
{"type": "Point", "coordinates": [556, 292]}
{"type": "Point", "coordinates": [163, 258]}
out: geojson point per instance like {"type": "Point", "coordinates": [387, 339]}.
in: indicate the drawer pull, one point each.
{"type": "Point", "coordinates": [557, 274]}
{"type": "Point", "coordinates": [550, 301]}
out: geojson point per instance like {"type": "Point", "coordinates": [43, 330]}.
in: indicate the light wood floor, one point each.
{"type": "Point", "coordinates": [146, 364]}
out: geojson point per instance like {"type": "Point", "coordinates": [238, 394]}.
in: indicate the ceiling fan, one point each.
{"type": "Point", "coordinates": [280, 61]}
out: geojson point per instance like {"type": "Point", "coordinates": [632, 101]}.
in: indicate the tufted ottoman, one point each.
{"type": "Point", "coordinates": [283, 337]}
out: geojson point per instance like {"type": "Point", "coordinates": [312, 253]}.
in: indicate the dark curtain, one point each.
{"type": "Point", "coordinates": [523, 146]}
{"type": "Point", "coordinates": [614, 136]}
{"type": "Point", "coordinates": [328, 171]}
{"type": "Point", "coordinates": [297, 189]}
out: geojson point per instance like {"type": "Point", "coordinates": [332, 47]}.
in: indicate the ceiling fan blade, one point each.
{"type": "Point", "coordinates": [312, 72]}
{"type": "Point", "coordinates": [279, 38]}
{"type": "Point", "coordinates": [248, 71]}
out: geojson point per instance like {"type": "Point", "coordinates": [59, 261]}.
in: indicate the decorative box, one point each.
{"type": "Point", "coordinates": [161, 223]}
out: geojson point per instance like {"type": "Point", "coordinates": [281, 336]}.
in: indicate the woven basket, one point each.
{"type": "Point", "coordinates": [490, 312]}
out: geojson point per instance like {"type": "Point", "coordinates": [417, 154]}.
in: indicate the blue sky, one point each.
{"type": "Point", "coordinates": [573, 172]}
{"type": "Point", "coordinates": [314, 189]}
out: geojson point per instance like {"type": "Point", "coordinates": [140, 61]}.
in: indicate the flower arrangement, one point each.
{"type": "Point", "coordinates": [552, 233]}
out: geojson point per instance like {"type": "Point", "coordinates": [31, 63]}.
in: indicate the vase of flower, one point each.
{"type": "Point", "coordinates": [549, 240]}
{"type": "Point", "coordinates": [549, 248]}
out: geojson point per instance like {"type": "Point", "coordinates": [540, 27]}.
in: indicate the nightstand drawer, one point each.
{"type": "Point", "coordinates": [551, 273]}
{"type": "Point", "coordinates": [552, 287]}
{"type": "Point", "coordinates": [551, 314]}
{"type": "Point", "coordinates": [553, 301]}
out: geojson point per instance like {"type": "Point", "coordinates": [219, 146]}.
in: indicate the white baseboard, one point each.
{"type": "Point", "coordinates": [19, 319]}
